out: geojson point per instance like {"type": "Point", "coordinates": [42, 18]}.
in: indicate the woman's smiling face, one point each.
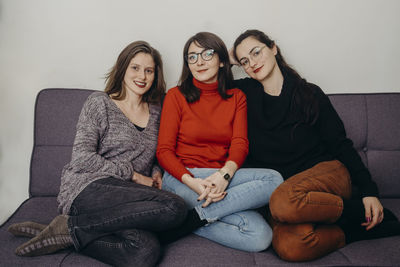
{"type": "Point", "coordinates": [139, 75]}
{"type": "Point", "coordinates": [205, 71]}
{"type": "Point", "coordinates": [256, 58]}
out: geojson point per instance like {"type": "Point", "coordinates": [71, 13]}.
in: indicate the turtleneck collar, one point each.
{"type": "Point", "coordinates": [206, 87]}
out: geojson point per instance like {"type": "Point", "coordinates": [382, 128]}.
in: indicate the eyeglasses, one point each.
{"type": "Point", "coordinates": [255, 54]}
{"type": "Point", "coordinates": [206, 54]}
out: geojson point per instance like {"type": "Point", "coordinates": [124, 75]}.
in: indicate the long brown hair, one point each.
{"type": "Point", "coordinates": [225, 78]}
{"type": "Point", "coordinates": [304, 98]}
{"type": "Point", "coordinates": [115, 78]}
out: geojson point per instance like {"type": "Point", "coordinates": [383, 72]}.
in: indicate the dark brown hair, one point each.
{"type": "Point", "coordinates": [115, 78]}
{"type": "Point", "coordinates": [304, 96]}
{"type": "Point", "coordinates": [208, 41]}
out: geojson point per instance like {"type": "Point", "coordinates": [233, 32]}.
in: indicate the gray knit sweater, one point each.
{"type": "Point", "coordinates": [107, 144]}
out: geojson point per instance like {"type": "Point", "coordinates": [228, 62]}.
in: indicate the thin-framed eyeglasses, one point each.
{"type": "Point", "coordinates": [255, 54]}
{"type": "Point", "coordinates": [206, 54]}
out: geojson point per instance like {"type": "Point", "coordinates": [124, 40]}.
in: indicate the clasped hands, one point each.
{"type": "Point", "coordinates": [211, 189]}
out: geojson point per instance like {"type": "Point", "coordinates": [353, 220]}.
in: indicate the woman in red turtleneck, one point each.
{"type": "Point", "coordinates": [202, 144]}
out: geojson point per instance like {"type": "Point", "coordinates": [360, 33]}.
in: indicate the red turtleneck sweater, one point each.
{"type": "Point", "coordinates": [203, 134]}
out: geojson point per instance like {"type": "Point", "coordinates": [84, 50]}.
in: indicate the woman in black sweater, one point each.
{"type": "Point", "coordinates": [294, 129]}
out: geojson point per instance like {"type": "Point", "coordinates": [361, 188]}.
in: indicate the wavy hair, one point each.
{"type": "Point", "coordinates": [225, 78]}
{"type": "Point", "coordinates": [115, 78]}
{"type": "Point", "coordinates": [304, 97]}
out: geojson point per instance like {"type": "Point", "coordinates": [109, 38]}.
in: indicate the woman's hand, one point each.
{"type": "Point", "coordinates": [373, 212]}
{"type": "Point", "coordinates": [200, 186]}
{"type": "Point", "coordinates": [157, 179]}
{"type": "Point", "coordinates": [213, 197]}
{"type": "Point", "coordinates": [141, 179]}
{"type": "Point", "coordinates": [216, 193]}
{"type": "Point", "coordinates": [219, 181]}
{"type": "Point", "coordinates": [204, 188]}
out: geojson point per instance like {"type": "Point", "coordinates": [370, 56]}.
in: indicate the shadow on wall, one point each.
{"type": "Point", "coordinates": [1, 154]}
{"type": "Point", "coordinates": [1, 160]}
{"type": "Point", "coordinates": [1, 183]}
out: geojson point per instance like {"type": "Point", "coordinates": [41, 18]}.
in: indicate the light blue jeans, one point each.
{"type": "Point", "coordinates": [232, 221]}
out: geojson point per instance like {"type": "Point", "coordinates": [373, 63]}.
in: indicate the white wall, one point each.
{"type": "Point", "coordinates": [341, 45]}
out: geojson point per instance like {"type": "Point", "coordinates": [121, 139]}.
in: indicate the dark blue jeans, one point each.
{"type": "Point", "coordinates": [112, 220]}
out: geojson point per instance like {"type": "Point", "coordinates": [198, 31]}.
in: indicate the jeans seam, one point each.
{"type": "Point", "coordinates": [121, 217]}
{"type": "Point", "coordinates": [166, 199]}
{"type": "Point", "coordinates": [120, 187]}
{"type": "Point", "coordinates": [72, 234]}
{"type": "Point", "coordinates": [109, 244]}
{"type": "Point", "coordinates": [243, 228]}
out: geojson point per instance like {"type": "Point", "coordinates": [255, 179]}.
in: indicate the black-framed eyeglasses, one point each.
{"type": "Point", "coordinates": [255, 54]}
{"type": "Point", "coordinates": [206, 54]}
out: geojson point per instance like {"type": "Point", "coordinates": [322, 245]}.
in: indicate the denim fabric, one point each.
{"type": "Point", "coordinates": [231, 221]}
{"type": "Point", "coordinates": [126, 248]}
{"type": "Point", "coordinates": [243, 230]}
{"type": "Point", "coordinates": [110, 220]}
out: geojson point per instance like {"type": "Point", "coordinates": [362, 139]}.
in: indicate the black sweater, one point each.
{"type": "Point", "coordinates": [275, 142]}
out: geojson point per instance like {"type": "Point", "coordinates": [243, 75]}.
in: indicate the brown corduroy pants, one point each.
{"type": "Point", "coordinates": [303, 209]}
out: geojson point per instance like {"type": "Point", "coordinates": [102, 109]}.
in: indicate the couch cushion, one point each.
{"type": "Point", "coordinates": [56, 115]}
{"type": "Point", "coordinates": [353, 111]}
{"type": "Point", "coordinates": [384, 142]}
{"type": "Point", "coordinates": [194, 250]}
{"type": "Point", "coordinates": [372, 122]}
{"type": "Point", "coordinates": [197, 251]}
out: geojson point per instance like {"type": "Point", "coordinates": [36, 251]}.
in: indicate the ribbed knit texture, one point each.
{"type": "Point", "coordinates": [203, 134]}
{"type": "Point", "coordinates": [107, 144]}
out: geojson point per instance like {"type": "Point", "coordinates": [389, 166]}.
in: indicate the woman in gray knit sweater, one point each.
{"type": "Point", "coordinates": [109, 196]}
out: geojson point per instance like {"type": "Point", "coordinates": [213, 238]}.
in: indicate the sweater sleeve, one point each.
{"type": "Point", "coordinates": [91, 126]}
{"type": "Point", "coordinates": [239, 147]}
{"type": "Point", "coordinates": [169, 127]}
{"type": "Point", "coordinates": [333, 135]}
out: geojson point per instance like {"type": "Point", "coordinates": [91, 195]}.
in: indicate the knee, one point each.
{"type": "Point", "coordinates": [177, 205]}
{"type": "Point", "coordinates": [142, 248]}
{"type": "Point", "coordinates": [280, 204]}
{"type": "Point", "coordinates": [261, 239]}
{"type": "Point", "coordinates": [273, 180]}
{"type": "Point", "coordinates": [257, 230]}
{"type": "Point", "coordinates": [272, 177]}
{"type": "Point", "coordinates": [178, 210]}
{"type": "Point", "coordinates": [276, 177]}
{"type": "Point", "coordinates": [292, 242]}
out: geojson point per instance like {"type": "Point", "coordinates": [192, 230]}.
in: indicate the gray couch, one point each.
{"type": "Point", "coordinates": [372, 121]}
